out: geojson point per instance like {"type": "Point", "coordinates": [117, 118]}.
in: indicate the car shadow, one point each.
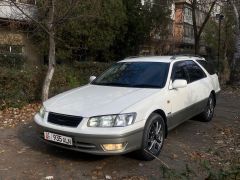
{"type": "Point", "coordinates": [28, 135]}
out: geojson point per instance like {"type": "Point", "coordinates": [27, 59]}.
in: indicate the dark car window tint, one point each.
{"type": "Point", "coordinates": [208, 66]}
{"type": "Point", "coordinates": [179, 71]}
{"type": "Point", "coordinates": [194, 71]}
{"type": "Point", "coordinates": [135, 74]}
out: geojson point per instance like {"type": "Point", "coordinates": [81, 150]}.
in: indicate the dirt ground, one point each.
{"type": "Point", "coordinates": [194, 150]}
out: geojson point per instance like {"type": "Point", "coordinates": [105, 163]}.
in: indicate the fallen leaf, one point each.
{"type": "Point", "coordinates": [108, 177]}
{"type": "Point", "coordinates": [49, 177]}
{"type": "Point", "coordinates": [175, 156]}
{"type": "Point", "coordinates": [140, 164]}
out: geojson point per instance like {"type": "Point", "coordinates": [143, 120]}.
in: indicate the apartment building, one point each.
{"type": "Point", "coordinates": [180, 38]}
{"type": "Point", "coordinates": [183, 24]}
{"type": "Point", "coordinates": [183, 36]}
{"type": "Point", "coordinates": [13, 39]}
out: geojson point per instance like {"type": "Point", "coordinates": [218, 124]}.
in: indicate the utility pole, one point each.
{"type": "Point", "coordinates": [219, 17]}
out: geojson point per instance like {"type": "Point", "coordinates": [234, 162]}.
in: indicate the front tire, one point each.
{"type": "Point", "coordinates": [153, 137]}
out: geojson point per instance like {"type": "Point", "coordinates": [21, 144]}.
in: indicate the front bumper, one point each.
{"type": "Point", "coordinates": [93, 143]}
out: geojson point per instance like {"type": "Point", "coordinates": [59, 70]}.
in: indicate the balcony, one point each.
{"type": "Point", "coordinates": [8, 11]}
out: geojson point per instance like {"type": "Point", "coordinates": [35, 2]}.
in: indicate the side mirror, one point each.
{"type": "Point", "coordinates": [179, 83]}
{"type": "Point", "coordinates": [92, 78]}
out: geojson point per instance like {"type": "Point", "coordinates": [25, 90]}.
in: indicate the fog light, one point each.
{"type": "Point", "coordinates": [113, 147]}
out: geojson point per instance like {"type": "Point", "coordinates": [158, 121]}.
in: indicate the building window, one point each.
{"type": "Point", "coordinates": [188, 15]}
{"type": "Point", "coordinates": [17, 49]}
{"type": "Point", "coordinates": [188, 31]}
{"type": "Point", "coordinates": [11, 49]}
{"type": "Point", "coordinates": [4, 49]}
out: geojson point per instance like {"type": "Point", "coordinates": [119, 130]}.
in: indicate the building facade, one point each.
{"type": "Point", "coordinates": [180, 38]}
{"type": "Point", "coordinates": [183, 24]}
{"type": "Point", "coordinates": [14, 41]}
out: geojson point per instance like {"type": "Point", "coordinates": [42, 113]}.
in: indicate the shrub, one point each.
{"type": "Point", "coordinates": [12, 60]}
{"type": "Point", "coordinates": [67, 77]}
{"type": "Point", "coordinates": [19, 87]}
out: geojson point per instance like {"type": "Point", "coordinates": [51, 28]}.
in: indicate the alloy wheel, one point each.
{"type": "Point", "coordinates": [210, 109]}
{"type": "Point", "coordinates": [155, 137]}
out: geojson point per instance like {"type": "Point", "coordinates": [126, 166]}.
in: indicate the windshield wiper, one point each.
{"type": "Point", "coordinates": [128, 85]}
{"type": "Point", "coordinates": [146, 86]}
{"type": "Point", "coordinates": [112, 84]}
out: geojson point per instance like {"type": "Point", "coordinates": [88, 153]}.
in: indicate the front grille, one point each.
{"type": "Point", "coordinates": [64, 120]}
{"type": "Point", "coordinates": [81, 145]}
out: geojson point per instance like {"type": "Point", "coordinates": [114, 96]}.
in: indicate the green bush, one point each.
{"type": "Point", "coordinates": [19, 87]}
{"type": "Point", "coordinates": [12, 60]}
{"type": "Point", "coordinates": [67, 77]}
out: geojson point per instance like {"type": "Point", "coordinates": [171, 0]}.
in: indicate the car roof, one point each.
{"type": "Point", "coordinates": [166, 59]}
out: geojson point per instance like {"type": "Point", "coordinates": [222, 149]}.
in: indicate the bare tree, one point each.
{"type": "Point", "coordinates": [48, 28]}
{"type": "Point", "coordinates": [52, 52]}
{"type": "Point", "coordinates": [206, 6]}
{"type": "Point", "coordinates": [48, 25]}
{"type": "Point", "coordinates": [235, 74]}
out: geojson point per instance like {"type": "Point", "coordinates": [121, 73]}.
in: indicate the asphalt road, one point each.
{"type": "Point", "coordinates": [190, 151]}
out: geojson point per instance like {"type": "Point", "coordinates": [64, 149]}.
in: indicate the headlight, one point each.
{"type": "Point", "coordinates": [42, 112]}
{"type": "Point", "coordinates": [120, 120]}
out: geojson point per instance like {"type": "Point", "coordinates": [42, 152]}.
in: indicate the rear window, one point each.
{"type": "Point", "coordinates": [208, 66]}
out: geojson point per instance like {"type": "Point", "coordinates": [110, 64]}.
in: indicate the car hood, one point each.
{"type": "Point", "coordinates": [94, 100]}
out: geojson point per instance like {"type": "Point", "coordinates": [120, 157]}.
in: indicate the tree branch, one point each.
{"type": "Point", "coordinates": [206, 18]}
{"type": "Point", "coordinates": [29, 17]}
{"type": "Point", "coordinates": [237, 15]}
{"type": "Point", "coordinates": [66, 13]}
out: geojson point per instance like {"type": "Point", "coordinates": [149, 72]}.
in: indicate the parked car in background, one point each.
{"type": "Point", "coordinates": [130, 107]}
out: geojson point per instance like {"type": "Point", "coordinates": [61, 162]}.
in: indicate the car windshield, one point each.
{"type": "Point", "coordinates": [135, 74]}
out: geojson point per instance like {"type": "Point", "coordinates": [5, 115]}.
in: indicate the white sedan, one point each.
{"type": "Point", "coordinates": [131, 106]}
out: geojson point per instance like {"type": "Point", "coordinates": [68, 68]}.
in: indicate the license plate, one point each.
{"type": "Point", "coordinates": [58, 138]}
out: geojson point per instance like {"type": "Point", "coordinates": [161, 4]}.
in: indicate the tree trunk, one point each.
{"type": "Point", "coordinates": [197, 45]}
{"type": "Point", "coordinates": [195, 28]}
{"type": "Point", "coordinates": [51, 55]}
{"type": "Point", "coordinates": [198, 33]}
{"type": "Point", "coordinates": [237, 44]}
{"type": "Point", "coordinates": [235, 68]}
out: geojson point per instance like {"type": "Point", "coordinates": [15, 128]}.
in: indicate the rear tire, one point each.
{"type": "Point", "coordinates": [153, 137]}
{"type": "Point", "coordinates": [208, 112]}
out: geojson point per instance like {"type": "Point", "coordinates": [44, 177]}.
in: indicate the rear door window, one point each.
{"type": "Point", "coordinates": [179, 71]}
{"type": "Point", "coordinates": [195, 72]}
